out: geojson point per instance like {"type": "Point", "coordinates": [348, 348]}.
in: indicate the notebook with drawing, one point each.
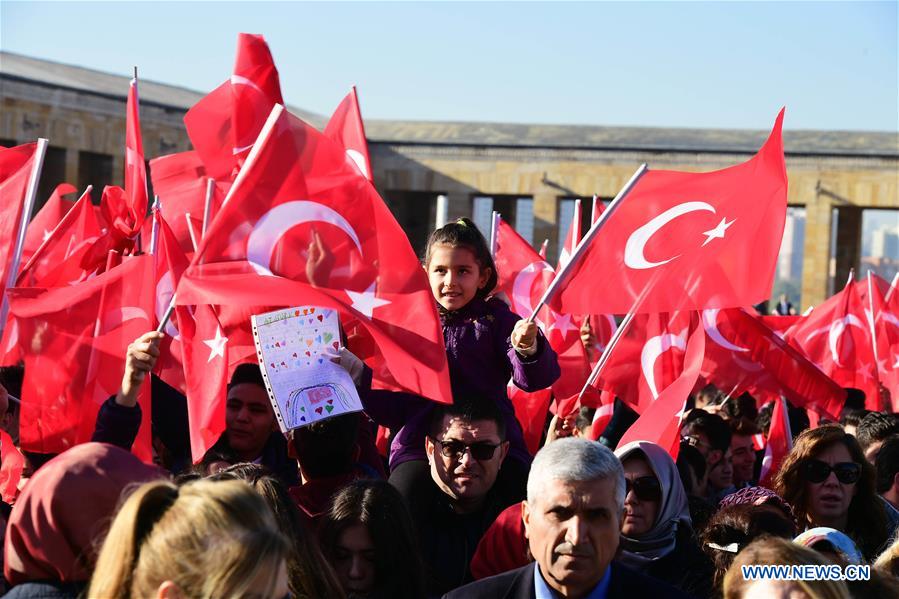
{"type": "Point", "coordinates": [294, 346]}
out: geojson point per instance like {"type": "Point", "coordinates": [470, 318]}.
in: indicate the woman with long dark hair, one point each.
{"type": "Point", "coordinates": [368, 537]}
{"type": "Point", "coordinates": [828, 481]}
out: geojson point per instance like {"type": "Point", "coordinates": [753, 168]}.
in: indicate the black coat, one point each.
{"type": "Point", "coordinates": [519, 584]}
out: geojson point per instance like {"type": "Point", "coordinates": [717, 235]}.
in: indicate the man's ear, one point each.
{"type": "Point", "coordinates": [503, 451]}
{"type": "Point", "coordinates": [525, 517]}
{"type": "Point", "coordinates": [715, 456]}
{"type": "Point", "coordinates": [429, 448]}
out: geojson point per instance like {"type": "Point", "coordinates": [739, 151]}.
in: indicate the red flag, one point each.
{"type": "Point", "coordinates": [523, 277]}
{"type": "Point", "coordinates": [12, 462]}
{"type": "Point", "coordinates": [170, 265]}
{"type": "Point", "coordinates": [75, 339]}
{"type": "Point", "coordinates": [690, 240]}
{"type": "Point", "coordinates": [648, 357]}
{"type": "Point", "coordinates": [57, 262]}
{"type": "Point", "coordinates": [780, 324]}
{"type": "Point", "coordinates": [531, 410]}
{"type": "Point", "coordinates": [572, 238]}
{"type": "Point", "coordinates": [836, 336]}
{"type": "Point", "coordinates": [778, 445]}
{"type": "Point", "coordinates": [742, 354]}
{"type": "Point", "coordinates": [135, 167]}
{"type": "Point", "coordinates": [16, 165]}
{"type": "Point", "coordinates": [297, 197]}
{"type": "Point", "coordinates": [882, 308]}
{"type": "Point", "coordinates": [224, 124]}
{"type": "Point", "coordinates": [660, 421]}
{"type": "Point", "coordinates": [345, 127]}
{"type": "Point", "coordinates": [180, 180]}
{"type": "Point", "coordinates": [206, 372]}
{"type": "Point", "coordinates": [46, 219]}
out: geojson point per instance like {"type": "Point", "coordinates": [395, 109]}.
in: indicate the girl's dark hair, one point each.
{"type": "Point", "coordinates": [465, 234]}
{"type": "Point", "coordinates": [379, 507]}
{"type": "Point", "coordinates": [741, 524]}
{"type": "Point", "coordinates": [308, 573]}
{"type": "Point", "coordinates": [867, 521]}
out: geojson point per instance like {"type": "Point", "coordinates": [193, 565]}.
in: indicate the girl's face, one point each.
{"type": "Point", "coordinates": [455, 276]}
{"type": "Point", "coordinates": [354, 560]}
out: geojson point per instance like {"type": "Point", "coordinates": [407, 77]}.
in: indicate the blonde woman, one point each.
{"type": "Point", "coordinates": [206, 539]}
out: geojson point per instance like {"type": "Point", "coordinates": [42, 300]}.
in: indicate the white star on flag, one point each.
{"type": "Point", "coordinates": [217, 345]}
{"type": "Point", "coordinates": [718, 231]}
{"type": "Point", "coordinates": [366, 302]}
{"type": "Point", "coordinates": [46, 234]}
{"type": "Point", "coordinates": [563, 324]}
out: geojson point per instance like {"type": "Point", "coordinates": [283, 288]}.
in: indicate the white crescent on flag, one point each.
{"type": "Point", "coordinates": [276, 222]}
{"type": "Point", "coordinates": [636, 243]}
{"type": "Point", "coordinates": [837, 329]}
{"type": "Point", "coordinates": [358, 160]}
{"type": "Point", "coordinates": [710, 324]}
{"type": "Point", "coordinates": [655, 347]}
{"type": "Point", "coordinates": [524, 283]}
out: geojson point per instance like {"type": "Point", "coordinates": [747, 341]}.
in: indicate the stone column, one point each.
{"type": "Point", "coordinates": [546, 222]}
{"type": "Point", "coordinates": [816, 251]}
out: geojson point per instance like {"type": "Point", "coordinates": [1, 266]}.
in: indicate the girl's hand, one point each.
{"type": "Point", "coordinates": [140, 360]}
{"type": "Point", "coordinates": [524, 337]}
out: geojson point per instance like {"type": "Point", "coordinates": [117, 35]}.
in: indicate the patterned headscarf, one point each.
{"type": "Point", "coordinates": [758, 496]}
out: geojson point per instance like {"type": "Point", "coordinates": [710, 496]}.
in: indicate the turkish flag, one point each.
{"type": "Point", "coordinates": [170, 265]}
{"type": "Point", "coordinates": [301, 225]}
{"type": "Point", "coordinates": [660, 421]}
{"type": "Point", "coordinates": [780, 324]}
{"type": "Point", "coordinates": [16, 165]}
{"type": "Point", "coordinates": [345, 127]}
{"type": "Point", "coordinates": [881, 302]}
{"type": "Point", "coordinates": [205, 352]}
{"type": "Point", "coordinates": [223, 125]}
{"type": "Point", "coordinates": [43, 223]}
{"type": "Point", "coordinates": [523, 277]}
{"type": "Point", "coordinates": [180, 180]}
{"type": "Point", "coordinates": [74, 340]}
{"type": "Point", "coordinates": [685, 241]}
{"type": "Point", "coordinates": [744, 355]}
{"type": "Point", "coordinates": [778, 444]}
{"type": "Point", "coordinates": [836, 336]}
{"type": "Point", "coordinates": [531, 410]}
{"type": "Point", "coordinates": [135, 167]}
{"type": "Point", "coordinates": [12, 462]}
{"type": "Point", "coordinates": [648, 357]}
{"type": "Point", "coordinates": [57, 262]}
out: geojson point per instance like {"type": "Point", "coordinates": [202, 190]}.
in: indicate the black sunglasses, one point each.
{"type": "Point", "coordinates": [646, 488]}
{"type": "Point", "coordinates": [480, 451]}
{"type": "Point", "coordinates": [816, 471]}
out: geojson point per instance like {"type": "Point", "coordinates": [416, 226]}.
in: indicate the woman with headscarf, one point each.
{"type": "Point", "coordinates": [656, 531]}
{"type": "Point", "coordinates": [60, 518]}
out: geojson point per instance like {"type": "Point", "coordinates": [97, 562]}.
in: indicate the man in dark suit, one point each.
{"type": "Point", "coordinates": [572, 518]}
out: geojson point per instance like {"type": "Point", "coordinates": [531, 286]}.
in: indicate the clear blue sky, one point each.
{"type": "Point", "coordinates": [678, 64]}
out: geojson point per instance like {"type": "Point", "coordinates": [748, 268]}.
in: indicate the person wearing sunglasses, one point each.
{"type": "Point", "coordinates": [828, 481]}
{"type": "Point", "coordinates": [656, 530]}
{"type": "Point", "coordinates": [453, 507]}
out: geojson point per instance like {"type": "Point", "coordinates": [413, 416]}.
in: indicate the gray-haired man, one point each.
{"type": "Point", "coordinates": [572, 518]}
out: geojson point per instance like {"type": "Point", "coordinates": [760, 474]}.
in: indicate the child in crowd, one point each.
{"type": "Point", "coordinates": [486, 344]}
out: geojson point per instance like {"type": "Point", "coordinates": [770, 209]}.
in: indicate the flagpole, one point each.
{"type": "Point", "coordinates": [494, 226]}
{"type": "Point", "coordinates": [154, 232]}
{"type": "Point", "coordinates": [40, 249]}
{"type": "Point", "coordinates": [190, 231]}
{"type": "Point", "coordinates": [543, 247]}
{"type": "Point", "coordinates": [261, 139]}
{"type": "Point", "coordinates": [560, 277]}
{"type": "Point", "coordinates": [30, 192]}
{"type": "Point", "coordinates": [207, 208]}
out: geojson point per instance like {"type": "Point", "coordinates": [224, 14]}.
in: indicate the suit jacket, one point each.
{"type": "Point", "coordinates": [519, 584]}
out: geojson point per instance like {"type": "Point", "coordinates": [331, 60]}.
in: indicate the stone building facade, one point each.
{"type": "Point", "coordinates": [429, 172]}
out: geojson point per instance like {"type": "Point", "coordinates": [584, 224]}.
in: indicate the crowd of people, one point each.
{"type": "Point", "coordinates": [458, 507]}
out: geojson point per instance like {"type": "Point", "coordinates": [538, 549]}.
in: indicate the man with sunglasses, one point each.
{"type": "Point", "coordinates": [451, 509]}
